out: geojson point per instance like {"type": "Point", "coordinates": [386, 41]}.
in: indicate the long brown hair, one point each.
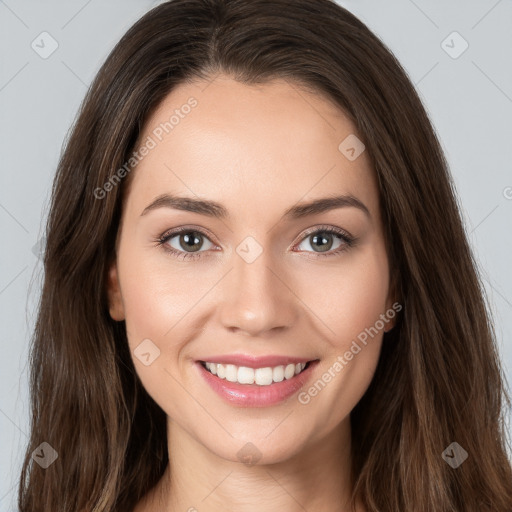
{"type": "Point", "coordinates": [438, 379]}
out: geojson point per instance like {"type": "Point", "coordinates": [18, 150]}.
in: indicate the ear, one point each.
{"type": "Point", "coordinates": [115, 299]}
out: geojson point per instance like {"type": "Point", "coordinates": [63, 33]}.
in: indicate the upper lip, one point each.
{"type": "Point", "coordinates": [255, 361]}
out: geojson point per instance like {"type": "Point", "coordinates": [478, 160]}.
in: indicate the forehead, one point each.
{"type": "Point", "coordinates": [248, 146]}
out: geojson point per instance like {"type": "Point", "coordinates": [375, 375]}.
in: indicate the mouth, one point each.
{"type": "Point", "coordinates": [258, 386]}
{"type": "Point", "coordinates": [265, 376]}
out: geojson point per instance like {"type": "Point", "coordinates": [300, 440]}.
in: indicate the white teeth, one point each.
{"type": "Point", "coordinates": [231, 372]}
{"type": "Point", "coordinates": [221, 371]}
{"type": "Point", "coordinates": [261, 376]}
{"type": "Point", "coordinates": [245, 375]}
{"type": "Point", "coordinates": [289, 371]}
{"type": "Point", "coordinates": [278, 374]}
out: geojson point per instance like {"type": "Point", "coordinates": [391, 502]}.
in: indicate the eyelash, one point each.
{"type": "Point", "coordinates": [348, 240]}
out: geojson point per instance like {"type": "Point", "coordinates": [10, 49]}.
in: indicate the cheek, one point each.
{"type": "Point", "coordinates": [348, 297]}
{"type": "Point", "coordinates": [157, 293]}
{"type": "Point", "coordinates": [161, 301]}
{"type": "Point", "coordinates": [350, 303]}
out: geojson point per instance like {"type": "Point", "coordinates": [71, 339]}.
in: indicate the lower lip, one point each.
{"type": "Point", "coordinates": [254, 395]}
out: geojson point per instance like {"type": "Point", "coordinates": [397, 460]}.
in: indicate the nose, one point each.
{"type": "Point", "coordinates": [256, 297]}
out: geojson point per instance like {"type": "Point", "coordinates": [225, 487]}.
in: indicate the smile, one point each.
{"type": "Point", "coordinates": [260, 376]}
{"type": "Point", "coordinates": [262, 386]}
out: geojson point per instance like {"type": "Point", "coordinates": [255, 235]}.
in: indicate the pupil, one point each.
{"type": "Point", "coordinates": [324, 242]}
{"type": "Point", "coordinates": [193, 240]}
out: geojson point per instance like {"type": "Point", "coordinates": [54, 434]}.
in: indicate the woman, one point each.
{"type": "Point", "coordinates": [258, 291]}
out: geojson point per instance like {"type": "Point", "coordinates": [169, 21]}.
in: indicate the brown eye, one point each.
{"type": "Point", "coordinates": [323, 241]}
{"type": "Point", "coordinates": [188, 241]}
{"type": "Point", "coordinates": [185, 243]}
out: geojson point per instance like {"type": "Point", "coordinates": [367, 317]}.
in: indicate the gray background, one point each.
{"type": "Point", "coordinates": [469, 99]}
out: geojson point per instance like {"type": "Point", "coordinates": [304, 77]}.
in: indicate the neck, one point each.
{"type": "Point", "coordinates": [316, 478]}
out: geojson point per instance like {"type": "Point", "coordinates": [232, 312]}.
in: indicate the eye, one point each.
{"type": "Point", "coordinates": [320, 239]}
{"type": "Point", "coordinates": [184, 243]}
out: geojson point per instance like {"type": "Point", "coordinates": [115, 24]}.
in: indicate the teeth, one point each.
{"type": "Point", "coordinates": [289, 371]}
{"type": "Point", "coordinates": [260, 376]}
{"type": "Point", "coordinates": [278, 374]}
{"type": "Point", "coordinates": [231, 373]}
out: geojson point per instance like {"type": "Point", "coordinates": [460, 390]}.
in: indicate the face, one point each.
{"type": "Point", "coordinates": [256, 279]}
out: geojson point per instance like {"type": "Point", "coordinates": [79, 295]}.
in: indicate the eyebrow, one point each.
{"type": "Point", "coordinates": [216, 210]}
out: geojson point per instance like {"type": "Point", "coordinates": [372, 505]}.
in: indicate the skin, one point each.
{"type": "Point", "coordinates": [257, 150]}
